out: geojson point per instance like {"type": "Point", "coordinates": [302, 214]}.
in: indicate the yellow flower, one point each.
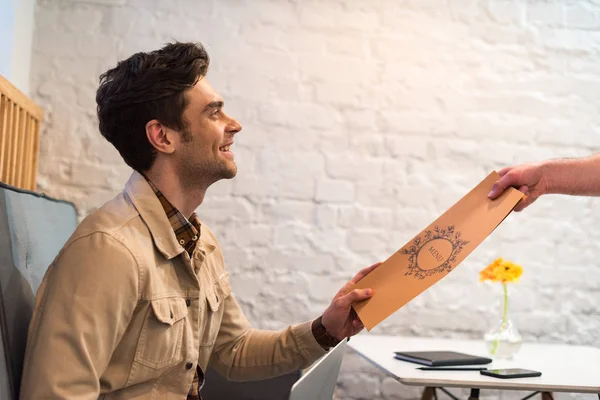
{"type": "Point", "coordinates": [501, 271]}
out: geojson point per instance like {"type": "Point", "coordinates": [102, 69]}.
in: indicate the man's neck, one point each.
{"type": "Point", "coordinates": [186, 198]}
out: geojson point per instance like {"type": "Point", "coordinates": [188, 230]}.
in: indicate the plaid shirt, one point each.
{"type": "Point", "coordinates": [187, 233]}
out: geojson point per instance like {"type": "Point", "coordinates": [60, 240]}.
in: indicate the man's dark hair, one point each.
{"type": "Point", "coordinates": [144, 87]}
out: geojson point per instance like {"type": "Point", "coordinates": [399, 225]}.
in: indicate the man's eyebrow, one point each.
{"type": "Point", "coordinates": [213, 104]}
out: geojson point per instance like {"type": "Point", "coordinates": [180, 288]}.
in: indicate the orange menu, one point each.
{"type": "Point", "coordinates": [435, 252]}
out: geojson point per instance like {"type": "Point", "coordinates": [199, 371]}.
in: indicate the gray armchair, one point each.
{"type": "Point", "coordinates": [33, 229]}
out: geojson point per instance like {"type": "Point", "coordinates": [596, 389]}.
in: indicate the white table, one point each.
{"type": "Point", "coordinates": [564, 368]}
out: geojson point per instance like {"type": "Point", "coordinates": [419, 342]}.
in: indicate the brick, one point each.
{"type": "Point", "coordinates": [251, 186]}
{"type": "Point", "coordinates": [335, 191]}
{"type": "Point", "coordinates": [220, 210]}
{"type": "Point", "coordinates": [339, 94]}
{"type": "Point", "coordinates": [506, 12]}
{"type": "Point", "coordinates": [81, 19]}
{"type": "Point", "coordinates": [247, 286]}
{"type": "Point", "coordinates": [95, 147]}
{"type": "Point", "coordinates": [365, 240]}
{"type": "Point", "coordinates": [360, 120]}
{"type": "Point", "coordinates": [253, 235]}
{"type": "Point", "coordinates": [94, 46]}
{"type": "Point", "coordinates": [336, 69]}
{"type": "Point", "coordinates": [298, 115]}
{"type": "Point", "coordinates": [580, 16]}
{"type": "Point", "coordinates": [350, 216]}
{"type": "Point", "coordinates": [407, 146]}
{"type": "Point", "coordinates": [281, 14]}
{"type": "Point", "coordinates": [58, 44]}
{"type": "Point", "coordinates": [381, 218]}
{"type": "Point", "coordinates": [221, 188]}
{"type": "Point", "coordinates": [568, 41]}
{"type": "Point", "coordinates": [549, 13]}
{"type": "Point", "coordinates": [328, 241]}
{"type": "Point", "coordinates": [353, 168]}
{"type": "Point", "coordinates": [367, 19]}
{"type": "Point", "coordinates": [318, 14]}
{"type": "Point", "coordinates": [326, 216]}
{"type": "Point", "coordinates": [324, 288]}
{"type": "Point", "coordinates": [349, 45]}
{"type": "Point", "coordinates": [284, 210]}
{"type": "Point", "coordinates": [79, 175]}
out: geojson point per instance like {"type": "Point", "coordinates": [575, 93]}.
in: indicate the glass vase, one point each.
{"type": "Point", "coordinates": [503, 340]}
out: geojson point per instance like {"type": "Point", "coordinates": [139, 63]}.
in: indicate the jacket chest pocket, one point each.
{"type": "Point", "coordinates": [159, 345]}
{"type": "Point", "coordinates": [215, 298]}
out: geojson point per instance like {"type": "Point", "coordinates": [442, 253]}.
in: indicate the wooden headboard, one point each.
{"type": "Point", "coordinates": [20, 120]}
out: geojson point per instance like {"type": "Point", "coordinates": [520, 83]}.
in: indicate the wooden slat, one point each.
{"type": "Point", "coordinates": [36, 152]}
{"type": "Point", "coordinates": [20, 153]}
{"type": "Point", "coordinates": [31, 170]}
{"type": "Point", "coordinates": [14, 145]}
{"type": "Point", "coordinates": [3, 131]}
{"type": "Point", "coordinates": [5, 145]}
{"type": "Point", "coordinates": [26, 152]}
{"type": "Point", "coordinates": [27, 167]}
{"type": "Point", "coordinates": [20, 120]}
{"type": "Point", "coordinates": [12, 121]}
{"type": "Point", "coordinates": [8, 151]}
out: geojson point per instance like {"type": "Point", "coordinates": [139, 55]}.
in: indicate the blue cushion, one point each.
{"type": "Point", "coordinates": [33, 229]}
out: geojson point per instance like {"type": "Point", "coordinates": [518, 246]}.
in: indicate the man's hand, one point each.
{"type": "Point", "coordinates": [339, 319]}
{"type": "Point", "coordinates": [528, 178]}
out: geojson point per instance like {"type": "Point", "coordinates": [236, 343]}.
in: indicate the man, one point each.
{"type": "Point", "coordinates": [138, 302]}
{"type": "Point", "coordinates": [578, 177]}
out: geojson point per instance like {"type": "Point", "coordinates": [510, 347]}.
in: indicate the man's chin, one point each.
{"type": "Point", "coordinates": [230, 172]}
{"type": "Point", "coordinates": [231, 175]}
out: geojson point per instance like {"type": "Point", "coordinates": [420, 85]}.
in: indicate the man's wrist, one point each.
{"type": "Point", "coordinates": [551, 172]}
{"type": "Point", "coordinates": [322, 336]}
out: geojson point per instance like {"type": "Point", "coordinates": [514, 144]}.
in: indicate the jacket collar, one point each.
{"type": "Point", "coordinates": [152, 213]}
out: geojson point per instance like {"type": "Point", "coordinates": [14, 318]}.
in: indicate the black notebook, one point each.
{"type": "Point", "coordinates": [441, 358]}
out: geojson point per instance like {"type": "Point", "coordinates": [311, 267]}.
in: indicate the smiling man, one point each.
{"type": "Point", "coordinates": [138, 302]}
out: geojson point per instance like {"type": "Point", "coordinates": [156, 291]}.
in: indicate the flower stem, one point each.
{"type": "Point", "coordinates": [505, 314]}
{"type": "Point", "coordinates": [504, 318]}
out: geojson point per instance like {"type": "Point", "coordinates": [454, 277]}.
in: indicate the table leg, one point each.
{"type": "Point", "coordinates": [547, 396]}
{"type": "Point", "coordinates": [428, 393]}
{"type": "Point", "coordinates": [474, 394]}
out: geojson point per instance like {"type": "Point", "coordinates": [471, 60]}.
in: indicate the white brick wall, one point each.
{"type": "Point", "coordinates": [363, 121]}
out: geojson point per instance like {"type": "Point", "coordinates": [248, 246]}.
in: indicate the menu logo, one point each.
{"type": "Point", "coordinates": [434, 252]}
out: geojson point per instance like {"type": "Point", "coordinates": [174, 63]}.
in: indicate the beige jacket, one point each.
{"type": "Point", "coordinates": [124, 313]}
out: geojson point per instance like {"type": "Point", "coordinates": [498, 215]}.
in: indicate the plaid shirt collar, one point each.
{"type": "Point", "coordinates": [186, 231]}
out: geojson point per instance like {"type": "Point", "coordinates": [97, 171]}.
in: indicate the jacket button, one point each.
{"type": "Point", "coordinates": [189, 365]}
{"type": "Point", "coordinates": [188, 302]}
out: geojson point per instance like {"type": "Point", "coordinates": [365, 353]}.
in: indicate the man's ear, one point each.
{"type": "Point", "coordinates": [160, 136]}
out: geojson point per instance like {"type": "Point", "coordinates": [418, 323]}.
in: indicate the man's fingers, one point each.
{"type": "Point", "coordinates": [506, 181]}
{"type": "Point", "coordinates": [499, 186]}
{"type": "Point", "coordinates": [364, 272]}
{"type": "Point", "coordinates": [526, 201]}
{"type": "Point", "coordinates": [354, 296]}
{"type": "Point", "coordinates": [523, 204]}
{"type": "Point", "coordinates": [524, 189]}
{"type": "Point", "coordinates": [504, 171]}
